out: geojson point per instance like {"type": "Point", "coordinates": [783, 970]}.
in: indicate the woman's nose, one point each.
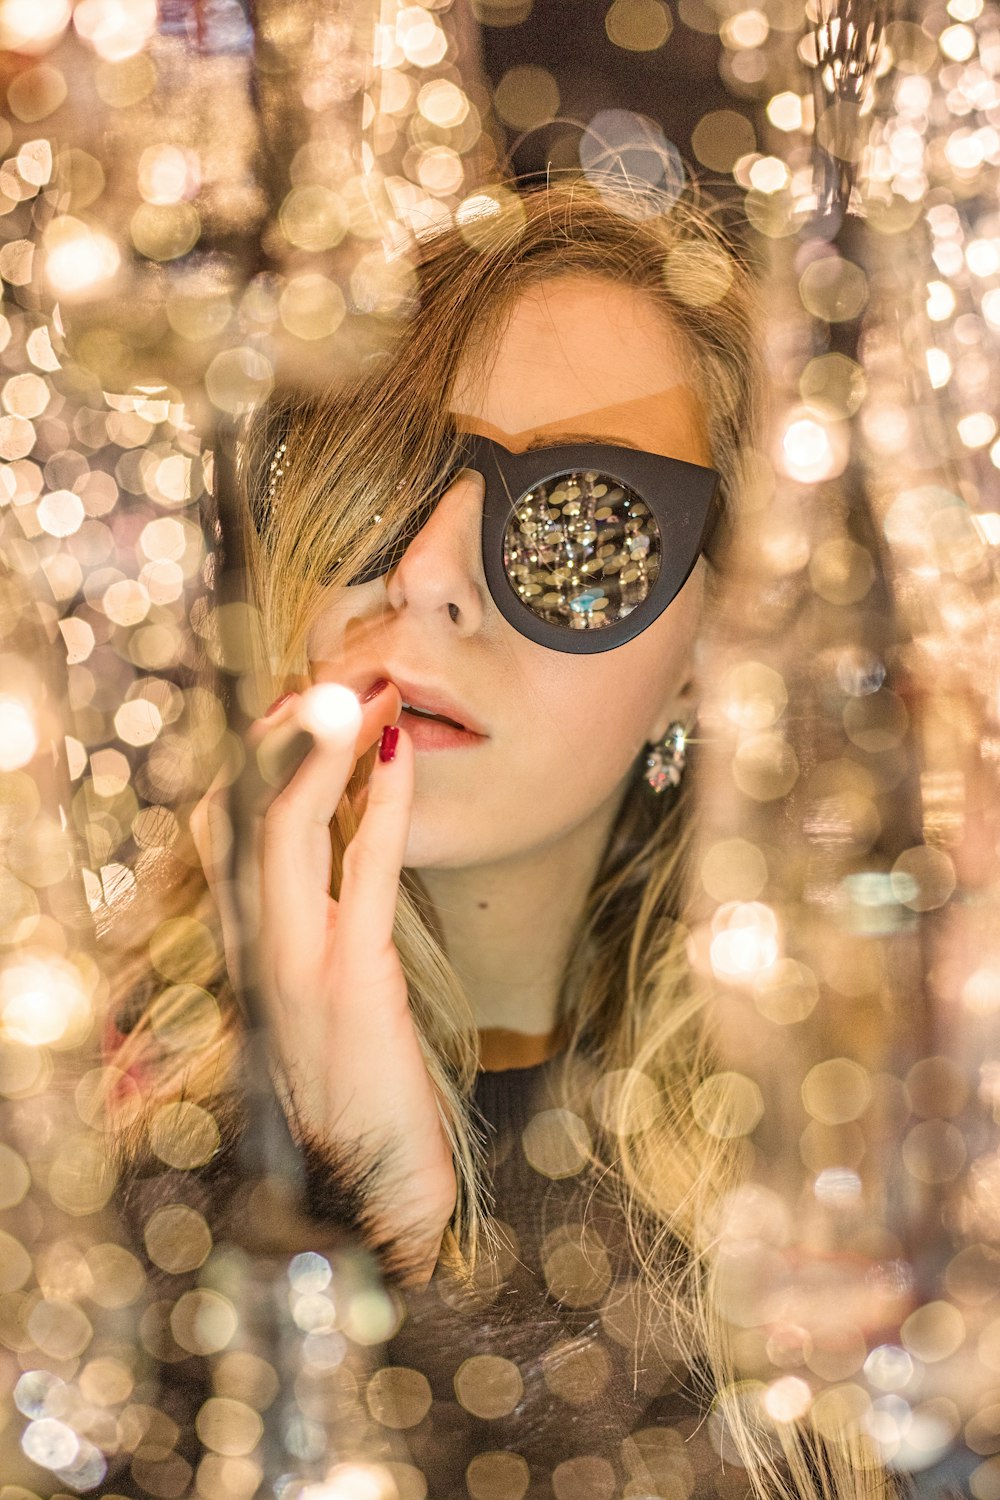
{"type": "Point", "coordinates": [441, 571]}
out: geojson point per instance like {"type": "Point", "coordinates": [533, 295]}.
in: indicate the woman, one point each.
{"type": "Point", "coordinates": [487, 1040]}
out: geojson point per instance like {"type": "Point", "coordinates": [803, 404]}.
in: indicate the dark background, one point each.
{"type": "Point", "coordinates": [674, 85]}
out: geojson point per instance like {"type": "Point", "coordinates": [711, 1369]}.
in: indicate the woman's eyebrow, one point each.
{"type": "Point", "coordinates": [560, 439]}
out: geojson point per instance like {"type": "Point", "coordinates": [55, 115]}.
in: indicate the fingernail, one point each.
{"type": "Point", "coordinates": [375, 689]}
{"type": "Point", "coordinates": [277, 704]}
{"type": "Point", "coordinates": [387, 744]}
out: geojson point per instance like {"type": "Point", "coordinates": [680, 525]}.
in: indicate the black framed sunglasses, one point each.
{"type": "Point", "coordinates": [584, 544]}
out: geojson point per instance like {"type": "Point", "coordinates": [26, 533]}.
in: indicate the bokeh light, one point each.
{"type": "Point", "coordinates": [175, 246]}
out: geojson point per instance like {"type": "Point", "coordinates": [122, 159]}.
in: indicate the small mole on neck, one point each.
{"type": "Point", "coordinates": [482, 905]}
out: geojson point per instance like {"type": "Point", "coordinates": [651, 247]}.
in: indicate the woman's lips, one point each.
{"type": "Point", "coordinates": [433, 734]}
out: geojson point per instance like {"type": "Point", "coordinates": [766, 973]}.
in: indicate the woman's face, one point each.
{"type": "Point", "coordinates": [581, 357]}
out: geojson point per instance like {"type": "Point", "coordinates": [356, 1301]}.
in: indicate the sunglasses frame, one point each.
{"type": "Point", "coordinates": [683, 498]}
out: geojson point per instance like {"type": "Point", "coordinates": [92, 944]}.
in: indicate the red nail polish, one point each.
{"type": "Point", "coordinates": [375, 689]}
{"type": "Point", "coordinates": [387, 744]}
{"type": "Point", "coordinates": [277, 704]}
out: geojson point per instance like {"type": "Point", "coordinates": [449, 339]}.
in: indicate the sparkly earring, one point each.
{"type": "Point", "coordinates": [666, 759]}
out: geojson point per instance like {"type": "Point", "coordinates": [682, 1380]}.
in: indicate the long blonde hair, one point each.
{"type": "Point", "coordinates": [629, 1009]}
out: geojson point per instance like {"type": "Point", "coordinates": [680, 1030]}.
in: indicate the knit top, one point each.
{"type": "Point", "coordinates": [547, 1381]}
{"type": "Point", "coordinates": [553, 1382]}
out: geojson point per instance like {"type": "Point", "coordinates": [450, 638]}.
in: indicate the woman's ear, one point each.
{"type": "Point", "coordinates": [680, 709]}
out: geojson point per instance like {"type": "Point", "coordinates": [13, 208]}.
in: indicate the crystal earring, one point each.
{"type": "Point", "coordinates": [666, 759]}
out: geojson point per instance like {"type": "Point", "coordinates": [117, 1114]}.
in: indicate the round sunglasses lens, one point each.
{"type": "Point", "coordinates": [582, 550]}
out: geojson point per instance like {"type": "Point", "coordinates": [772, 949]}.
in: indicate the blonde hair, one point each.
{"type": "Point", "coordinates": [629, 1008]}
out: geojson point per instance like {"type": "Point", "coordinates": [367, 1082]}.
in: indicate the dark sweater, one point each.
{"type": "Point", "coordinates": [553, 1383]}
{"type": "Point", "coordinates": [549, 1382]}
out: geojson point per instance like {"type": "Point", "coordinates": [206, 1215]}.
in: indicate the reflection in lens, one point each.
{"type": "Point", "coordinates": [581, 550]}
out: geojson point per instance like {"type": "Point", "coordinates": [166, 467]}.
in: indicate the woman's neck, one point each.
{"type": "Point", "coordinates": [509, 927]}
{"type": "Point", "coordinates": [500, 1049]}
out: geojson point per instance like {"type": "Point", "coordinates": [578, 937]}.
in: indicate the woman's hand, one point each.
{"type": "Point", "coordinates": [351, 1072]}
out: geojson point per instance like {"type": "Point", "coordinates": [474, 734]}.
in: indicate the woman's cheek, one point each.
{"type": "Point", "coordinates": [575, 772]}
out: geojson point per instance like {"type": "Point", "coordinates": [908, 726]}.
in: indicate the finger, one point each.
{"type": "Point", "coordinates": [211, 829]}
{"type": "Point", "coordinates": [281, 711]}
{"type": "Point", "coordinates": [274, 737]}
{"type": "Point", "coordinates": [272, 741]}
{"type": "Point", "coordinates": [201, 834]}
{"type": "Point", "coordinates": [373, 861]}
{"type": "Point", "coordinates": [210, 822]}
{"type": "Point", "coordinates": [378, 709]}
{"type": "Point", "coordinates": [211, 832]}
{"type": "Point", "coordinates": [210, 819]}
{"type": "Point", "coordinates": [297, 855]}
{"type": "Point", "coordinates": [322, 714]}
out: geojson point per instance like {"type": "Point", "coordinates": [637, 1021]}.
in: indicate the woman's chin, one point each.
{"type": "Point", "coordinates": [426, 853]}
{"type": "Point", "coordinates": [433, 845]}
{"type": "Point", "coordinates": [429, 841]}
